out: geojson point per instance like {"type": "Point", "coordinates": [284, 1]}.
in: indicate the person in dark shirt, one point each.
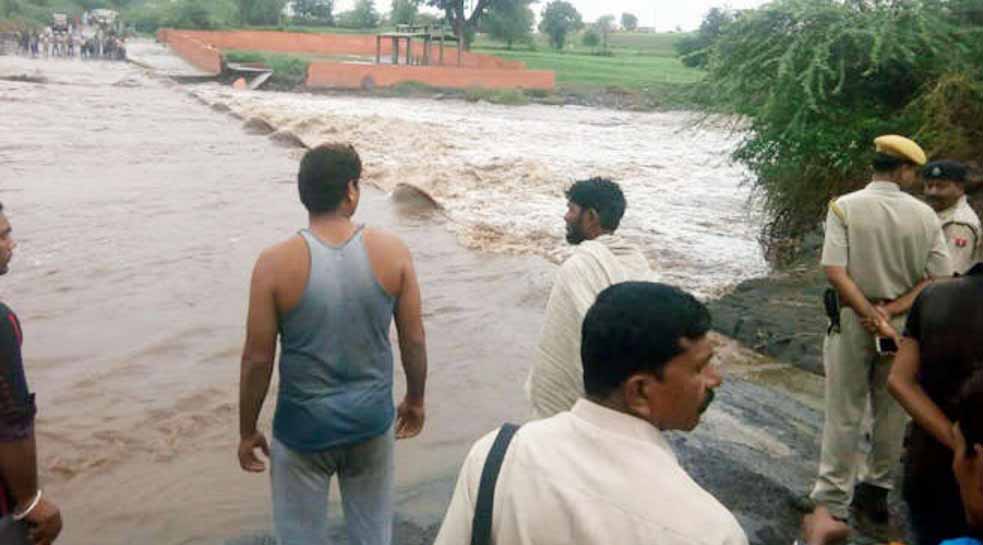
{"type": "Point", "coordinates": [967, 458]}
{"type": "Point", "coordinates": [22, 503]}
{"type": "Point", "coordinates": [942, 349]}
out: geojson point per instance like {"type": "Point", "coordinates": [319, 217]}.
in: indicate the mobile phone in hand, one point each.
{"type": "Point", "coordinates": [886, 345]}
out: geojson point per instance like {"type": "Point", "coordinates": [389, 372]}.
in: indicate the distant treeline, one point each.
{"type": "Point", "coordinates": [818, 80]}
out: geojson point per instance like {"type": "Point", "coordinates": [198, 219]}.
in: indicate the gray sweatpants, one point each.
{"type": "Point", "coordinates": [300, 491]}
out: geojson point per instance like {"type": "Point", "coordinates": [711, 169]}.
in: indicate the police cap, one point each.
{"type": "Point", "coordinates": [950, 171]}
{"type": "Point", "coordinates": [900, 148]}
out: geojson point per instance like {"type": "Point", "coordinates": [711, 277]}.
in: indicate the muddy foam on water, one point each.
{"type": "Point", "coordinates": [499, 172]}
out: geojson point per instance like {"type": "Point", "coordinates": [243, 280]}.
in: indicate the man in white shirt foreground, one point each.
{"type": "Point", "coordinates": [604, 472]}
{"type": "Point", "coordinates": [601, 258]}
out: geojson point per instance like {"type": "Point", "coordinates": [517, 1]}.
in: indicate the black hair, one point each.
{"type": "Point", "coordinates": [888, 163]}
{"type": "Point", "coordinates": [603, 196]}
{"type": "Point", "coordinates": [324, 175]}
{"type": "Point", "coordinates": [1, 207]}
{"type": "Point", "coordinates": [969, 411]}
{"type": "Point", "coordinates": [634, 327]}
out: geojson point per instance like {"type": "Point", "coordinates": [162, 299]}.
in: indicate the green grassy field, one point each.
{"type": "Point", "coordinates": [638, 62]}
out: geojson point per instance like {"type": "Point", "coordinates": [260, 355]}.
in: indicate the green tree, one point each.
{"type": "Point", "coordinates": [817, 81]}
{"type": "Point", "coordinates": [403, 12]}
{"type": "Point", "coordinates": [192, 14]}
{"type": "Point", "coordinates": [260, 12]}
{"type": "Point", "coordinates": [9, 8]}
{"type": "Point", "coordinates": [463, 23]}
{"type": "Point", "coordinates": [363, 15]}
{"type": "Point", "coordinates": [319, 12]}
{"type": "Point", "coordinates": [510, 21]}
{"type": "Point", "coordinates": [559, 18]}
{"type": "Point", "coordinates": [604, 27]}
{"type": "Point", "coordinates": [267, 12]}
{"type": "Point", "coordinates": [591, 39]}
{"type": "Point", "coordinates": [693, 49]}
{"type": "Point", "coordinates": [89, 5]}
{"type": "Point", "coordinates": [629, 21]}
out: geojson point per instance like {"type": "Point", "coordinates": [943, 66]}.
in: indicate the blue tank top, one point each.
{"type": "Point", "coordinates": [336, 362]}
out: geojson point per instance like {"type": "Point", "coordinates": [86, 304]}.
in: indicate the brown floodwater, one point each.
{"type": "Point", "coordinates": [139, 212]}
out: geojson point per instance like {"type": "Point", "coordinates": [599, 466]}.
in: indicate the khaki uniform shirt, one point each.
{"type": "Point", "coordinates": [888, 240]}
{"type": "Point", "coordinates": [588, 476]}
{"type": "Point", "coordinates": [962, 230]}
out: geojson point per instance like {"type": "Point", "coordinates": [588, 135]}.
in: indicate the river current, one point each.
{"type": "Point", "coordinates": [139, 212]}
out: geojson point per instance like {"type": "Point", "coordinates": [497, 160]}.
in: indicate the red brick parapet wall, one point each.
{"type": "Point", "coordinates": [339, 44]}
{"type": "Point", "coordinates": [334, 74]}
{"type": "Point", "coordinates": [200, 54]}
{"type": "Point", "coordinates": [201, 48]}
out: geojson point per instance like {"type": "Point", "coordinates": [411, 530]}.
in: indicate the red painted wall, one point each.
{"type": "Point", "coordinates": [193, 50]}
{"type": "Point", "coordinates": [328, 74]}
{"type": "Point", "coordinates": [340, 44]}
{"type": "Point", "coordinates": [201, 48]}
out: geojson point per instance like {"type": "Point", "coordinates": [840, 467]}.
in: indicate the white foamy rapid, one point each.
{"type": "Point", "coordinates": [500, 172]}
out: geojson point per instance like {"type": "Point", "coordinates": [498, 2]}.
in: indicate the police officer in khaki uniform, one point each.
{"type": "Point", "coordinates": [945, 191]}
{"type": "Point", "coordinates": [882, 246]}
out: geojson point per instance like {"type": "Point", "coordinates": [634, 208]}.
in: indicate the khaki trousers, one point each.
{"type": "Point", "coordinates": [856, 377]}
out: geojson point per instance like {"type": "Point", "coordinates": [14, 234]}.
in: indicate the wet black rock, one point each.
{"type": "Point", "coordinates": [411, 199]}
{"type": "Point", "coordinates": [258, 125]}
{"type": "Point", "coordinates": [288, 139]}
{"type": "Point", "coordinates": [26, 78]}
{"type": "Point", "coordinates": [780, 315]}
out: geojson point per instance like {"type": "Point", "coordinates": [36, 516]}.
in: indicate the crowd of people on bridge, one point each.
{"type": "Point", "coordinates": [70, 42]}
{"type": "Point", "coordinates": [621, 359]}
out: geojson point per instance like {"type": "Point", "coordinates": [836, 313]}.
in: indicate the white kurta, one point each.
{"type": "Point", "coordinates": [556, 379]}
{"type": "Point", "coordinates": [589, 476]}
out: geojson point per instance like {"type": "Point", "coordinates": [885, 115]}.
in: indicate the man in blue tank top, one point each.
{"type": "Point", "coordinates": [330, 294]}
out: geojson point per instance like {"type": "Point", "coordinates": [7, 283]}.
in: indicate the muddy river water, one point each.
{"type": "Point", "coordinates": [139, 211]}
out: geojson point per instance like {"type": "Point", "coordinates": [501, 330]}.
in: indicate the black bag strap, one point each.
{"type": "Point", "coordinates": [482, 522]}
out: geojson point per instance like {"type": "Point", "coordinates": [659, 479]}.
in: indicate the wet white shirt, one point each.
{"type": "Point", "coordinates": [589, 476]}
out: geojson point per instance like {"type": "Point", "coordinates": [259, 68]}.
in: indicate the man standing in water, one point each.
{"type": "Point", "coordinates": [602, 258]}
{"type": "Point", "coordinates": [23, 505]}
{"type": "Point", "coordinates": [331, 293]}
{"type": "Point", "coordinates": [945, 192]}
{"type": "Point", "coordinates": [881, 245]}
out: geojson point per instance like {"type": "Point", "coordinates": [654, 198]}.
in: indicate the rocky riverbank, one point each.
{"type": "Point", "coordinates": [780, 315]}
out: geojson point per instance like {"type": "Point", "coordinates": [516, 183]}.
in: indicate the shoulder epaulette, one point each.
{"type": "Point", "coordinates": [838, 210]}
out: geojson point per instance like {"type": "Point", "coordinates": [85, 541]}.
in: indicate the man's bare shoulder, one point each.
{"type": "Point", "coordinates": [281, 253]}
{"type": "Point", "coordinates": [379, 239]}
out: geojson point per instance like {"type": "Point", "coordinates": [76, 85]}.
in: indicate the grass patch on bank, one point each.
{"type": "Point", "coordinates": [289, 71]}
{"type": "Point", "coordinates": [640, 66]}
{"type": "Point", "coordinates": [508, 97]}
{"type": "Point", "coordinates": [629, 71]}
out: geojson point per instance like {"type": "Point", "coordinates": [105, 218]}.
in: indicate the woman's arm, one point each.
{"type": "Point", "coordinates": [903, 385]}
